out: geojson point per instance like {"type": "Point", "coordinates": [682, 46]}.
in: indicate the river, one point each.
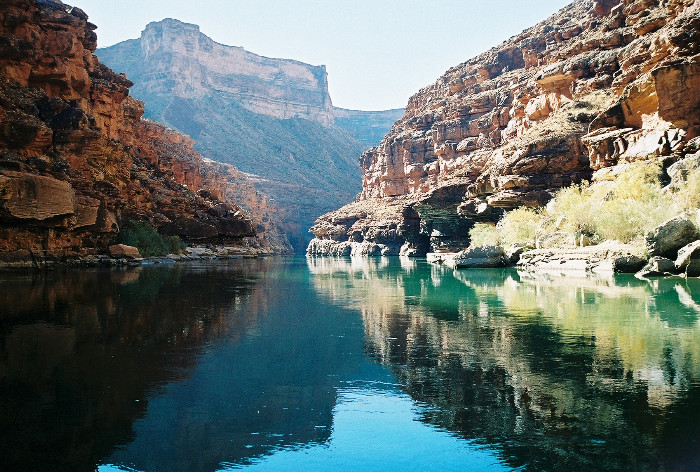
{"type": "Point", "coordinates": [346, 365]}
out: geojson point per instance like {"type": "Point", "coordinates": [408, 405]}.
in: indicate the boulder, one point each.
{"type": "Point", "coordinates": [666, 239]}
{"type": "Point", "coordinates": [693, 268]}
{"type": "Point", "coordinates": [122, 251]}
{"type": "Point", "coordinates": [483, 256]}
{"type": "Point", "coordinates": [687, 253]}
{"type": "Point", "coordinates": [25, 196]}
{"type": "Point", "coordinates": [657, 267]}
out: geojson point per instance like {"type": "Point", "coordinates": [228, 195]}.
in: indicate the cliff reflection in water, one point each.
{"type": "Point", "coordinates": [557, 373]}
{"type": "Point", "coordinates": [81, 351]}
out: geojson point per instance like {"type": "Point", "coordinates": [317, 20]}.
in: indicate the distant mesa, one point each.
{"type": "Point", "coordinates": [271, 118]}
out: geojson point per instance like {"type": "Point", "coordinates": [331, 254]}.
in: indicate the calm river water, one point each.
{"type": "Point", "coordinates": [346, 365]}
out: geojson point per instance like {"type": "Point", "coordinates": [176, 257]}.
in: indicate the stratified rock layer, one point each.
{"type": "Point", "coordinates": [77, 159]}
{"type": "Point", "coordinates": [599, 82]}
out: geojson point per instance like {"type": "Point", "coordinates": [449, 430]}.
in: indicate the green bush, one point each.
{"type": "Point", "coordinates": [484, 234]}
{"type": "Point", "coordinates": [516, 226]}
{"type": "Point", "coordinates": [145, 237]}
{"type": "Point", "coordinates": [519, 226]}
{"type": "Point", "coordinates": [175, 244]}
{"type": "Point", "coordinates": [624, 208]}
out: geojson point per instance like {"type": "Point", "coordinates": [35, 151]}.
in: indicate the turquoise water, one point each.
{"type": "Point", "coordinates": [335, 365]}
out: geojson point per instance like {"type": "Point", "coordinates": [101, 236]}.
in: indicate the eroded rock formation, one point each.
{"type": "Point", "coordinates": [599, 82]}
{"type": "Point", "coordinates": [272, 118]}
{"type": "Point", "coordinates": [76, 157]}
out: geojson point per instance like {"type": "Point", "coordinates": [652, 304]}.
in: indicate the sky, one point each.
{"type": "Point", "coordinates": [377, 52]}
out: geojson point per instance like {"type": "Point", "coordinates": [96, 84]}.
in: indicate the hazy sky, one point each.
{"type": "Point", "coordinates": [378, 52]}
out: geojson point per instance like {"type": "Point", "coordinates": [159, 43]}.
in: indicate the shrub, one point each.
{"type": "Point", "coordinates": [516, 226]}
{"type": "Point", "coordinates": [483, 234]}
{"type": "Point", "coordinates": [622, 209]}
{"type": "Point", "coordinates": [149, 242]}
{"type": "Point", "coordinates": [688, 196]}
{"type": "Point", "coordinates": [519, 226]}
{"type": "Point", "coordinates": [175, 244]}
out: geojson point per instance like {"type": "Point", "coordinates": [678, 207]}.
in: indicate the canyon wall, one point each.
{"type": "Point", "coordinates": [599, 82]}
{"type": "Point", "coordinates": [271, 118]}
{"type": "Point", "coordinates": [77, 160]}
{"type": "Point", "coordinates": [369, 127]}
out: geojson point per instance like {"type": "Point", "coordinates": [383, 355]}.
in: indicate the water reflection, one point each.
{"type": "Point", "coordinates": [558, 373]}
{"type": "Point", "coordinates": [81, 351]}
{"type": "Point", "coordinates": [375, 364]}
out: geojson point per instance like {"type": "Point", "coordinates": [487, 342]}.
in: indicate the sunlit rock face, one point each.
{"type": "Point", "coordinates": [280, 88]}
{"type": "Point", "coordinates": [599, 82]}
{"type": "Point", "coordinates": [76, 157]}
{"type": "Point", "coordinates": [546, 368]}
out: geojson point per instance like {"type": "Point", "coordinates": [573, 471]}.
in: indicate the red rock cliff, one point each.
{"type": "Point", "coordinates": [597, 83]}
{"type": "Point", "coordinates": [77, 159]}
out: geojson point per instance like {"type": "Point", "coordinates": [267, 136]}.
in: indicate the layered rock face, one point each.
{"type": "Point", "coordinates": [77, 159]}
{"type": "Point", "coordinates": [599, 82]}
{"type": "Point", "coordinates": [271, 118]}
{"type": "Point", "coordinates": [280, 88]}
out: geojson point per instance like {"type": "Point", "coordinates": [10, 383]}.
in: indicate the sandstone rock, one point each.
{"type": "Point", "coordinates": [686, 255]}
{"type": "Point", "coordinates": [26, 196]}
{"type": "Point", "coordinates": [628, 264]}
{"type": "Point", "coordinates": [667, 238]}
{"type": "Point", "coordinates": [483, 256]}
{"type": "Point", "coordinates": [191, 229]}
{"type": "Point", "coordinates": [327, 247]}
{"type": "Point", "coordinates": [122, 251]}
{"type": "Point", "coordinates": [657, 267]}
{"type": "Point", "coordinates": [87, 212]}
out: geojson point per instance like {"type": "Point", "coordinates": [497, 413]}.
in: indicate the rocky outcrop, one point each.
{"type": "Point", "coordinates": [479, 257]}
{"type": "Point", "coordinates": [76, 158]}
{"type": "Point", "coordinates": [271, 118]}
{"type": "Point", "coordinates": [598, 83]}
{"type": "Point", "coordinates": [609, 257]}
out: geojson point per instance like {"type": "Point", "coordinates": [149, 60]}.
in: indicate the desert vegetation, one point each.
{"type": "Point", "coordinates": [622, 206]}
{"type": "Point", "coordinates": [150, 243]}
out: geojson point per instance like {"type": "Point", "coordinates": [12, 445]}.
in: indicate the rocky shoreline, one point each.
{"type": "Point", "coordinates": [191, 254]}
{"type": "Point", "coordinates": [670, 249]}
